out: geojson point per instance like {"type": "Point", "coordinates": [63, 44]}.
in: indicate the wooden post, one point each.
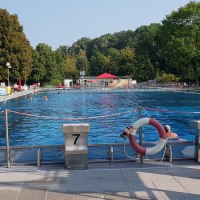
{"type": "Point", "coordinates": [140, 133]}
{"type": "Point", "coordinates": [7, 139]}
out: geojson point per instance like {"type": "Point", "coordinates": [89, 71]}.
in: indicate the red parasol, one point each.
{"type": "Point", "coordinates": [106, 75]}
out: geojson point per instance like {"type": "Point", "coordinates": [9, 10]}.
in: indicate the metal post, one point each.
{"type": "Point", "coordinates": [7, 139]}
{"type": "Point", "coordinates": [82, 73]}
{"type": "Point", "coordinates": [8, 77]}
{"type": "Point", "coordinates": [82, 83]}
{"type": "Point", "coordinates": [9, 66]}
{"type": "Point", "coordinates": [111, 155]}
{"type": "Point", "coordinates": [39, 157]}
{"type": "Point", "coordinates": [140, 132]}
{"type": "Point", "coordinates": [128, 83]}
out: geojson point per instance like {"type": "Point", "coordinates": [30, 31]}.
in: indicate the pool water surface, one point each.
{"type": "Point", "coordinates": [108, 113]}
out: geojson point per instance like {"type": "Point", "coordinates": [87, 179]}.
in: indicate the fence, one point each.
{"type": "Point", "coordinates": [97, 153]}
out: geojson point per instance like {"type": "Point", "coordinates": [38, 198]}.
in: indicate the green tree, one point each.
{"type": "Point", "coordinates": [146, 50]}
{"type": "Point", "coordinates": [99, 64]}
{"type": "Point", "coordinates": [114, 57]}
{"type": "Point", "coordinates": [46, 64]}
{"type": "Point", "coordinates": [69, 68]}
{"type": "Point", "coordinates": [127, 62]}
{"type": "Point", "coordinates": [180, 46]}
{"type": "Point", "coordinates": [124, 39]}
{"type": "Point", "coordinates": [63, 51]}
{"type": "Point", "coordinates": [82, 64]}
{"type": "Point", "coordinates": [14, 48]}
{"type": "Point", "coordinates": [81, 44]}
{"type": "Point", "coordinates": [38, 71]}
{"type": "Point", "coordinates": [167, 78]}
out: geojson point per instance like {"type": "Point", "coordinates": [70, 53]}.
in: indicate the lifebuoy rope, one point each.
{"type": "Point", "coordinates": [136, 109]}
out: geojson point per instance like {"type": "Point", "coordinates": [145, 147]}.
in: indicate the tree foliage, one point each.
{"type": "Point", "coordinates": [14, 48]}
{"type": "Point", "coordinates": [180, 41]}
{"type": "Point", "coordinates": [69, 68]}
{"type": "Point", "coordinates": [167, 78]}
{"type": "Point", "coordinates": [170, 48]}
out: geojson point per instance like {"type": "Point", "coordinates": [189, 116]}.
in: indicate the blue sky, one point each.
{"type": "Point", "coordinates": [63, 22]}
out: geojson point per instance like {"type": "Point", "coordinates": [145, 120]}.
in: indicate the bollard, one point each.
{"type": "Point", "coordinates": [76, 145]}
{"type": "Point", "coordinates": [196, 126]}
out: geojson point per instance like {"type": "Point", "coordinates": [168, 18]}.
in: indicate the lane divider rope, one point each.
{"type": "Point", "coordinates": [172, 111]}
{"type": "Point", "coordinates": [78, 118]}
{"type": "Point", "coordinates": [101, 116]}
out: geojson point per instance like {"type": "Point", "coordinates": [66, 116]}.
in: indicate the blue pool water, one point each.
{"type": "Point", "coordinates": [44, 125]}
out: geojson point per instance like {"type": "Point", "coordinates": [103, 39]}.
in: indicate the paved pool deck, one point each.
{"type": "Point", "coordinates": [15, 95]}
{"type": "Point", "coordinates": [179, 180]}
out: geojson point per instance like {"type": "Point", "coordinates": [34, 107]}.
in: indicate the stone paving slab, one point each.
{"type": "Point", "coordinates": [180, 180]}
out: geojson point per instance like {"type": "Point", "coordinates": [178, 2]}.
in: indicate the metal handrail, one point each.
{"type": "Point", "coordinates": [110, 148]}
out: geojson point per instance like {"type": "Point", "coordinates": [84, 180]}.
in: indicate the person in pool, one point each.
{"type": "Point", "coordinates": [169, 133]}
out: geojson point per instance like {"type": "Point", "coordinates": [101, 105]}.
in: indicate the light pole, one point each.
{"type": "Point", "coordinates": [82, 74]}
{"type": "Point", "coordinates": [9, 66]}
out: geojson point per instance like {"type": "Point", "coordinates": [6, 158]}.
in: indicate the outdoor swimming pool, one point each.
{"type": "Point", "coordinates": [107, 112]}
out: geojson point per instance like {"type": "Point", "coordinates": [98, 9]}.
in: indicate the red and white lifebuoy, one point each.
{"type": "Point", "coordinates": [151, 150]}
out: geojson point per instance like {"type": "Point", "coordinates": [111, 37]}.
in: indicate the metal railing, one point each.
{"type": "Point", "coordinates": [97, 153]}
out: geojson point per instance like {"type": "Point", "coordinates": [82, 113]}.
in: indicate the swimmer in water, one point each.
{"type": "Point", "coordinates": [45, 98]}
{"type": "Point", "coordinates": [169, 133]}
